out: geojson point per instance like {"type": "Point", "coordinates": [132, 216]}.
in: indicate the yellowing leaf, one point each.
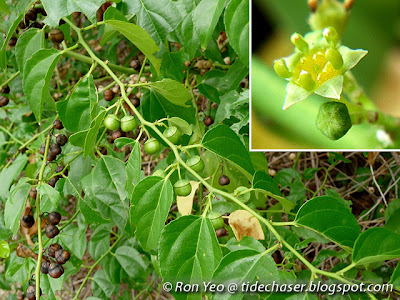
{"type": "Point", "coordinates": [185, 204]}
{"type": "Point", "coordinates": [244, 223]}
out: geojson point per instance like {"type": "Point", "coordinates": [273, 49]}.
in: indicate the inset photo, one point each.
{"type": "Point", "coordinates": [325, 75]}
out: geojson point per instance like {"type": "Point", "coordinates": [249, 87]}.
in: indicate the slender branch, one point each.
{"type": "Point", "coordinates": [11, 135]}
{"type": "Point", "coordinates": [12, 77]}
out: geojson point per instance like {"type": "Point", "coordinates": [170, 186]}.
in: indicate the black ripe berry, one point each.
{"type": "Point", "coordinates": [54, 218]}
{"type": "Point", "coordinates": [12, 42]}
{"type": "Point", "coordinates": [221, 232]}
{"type": "Point", "coordinates": [52, 249]}
{"type": "Point", "coordinates": [50, 157]}
{"type": "Point", "coordinates": [223, 180]}
{"type": "Point", "coordinates": [42, 149]}
{"type": "Point", "coordinates": [4, 101]}
{"type": "Point", "coordinates": [57, 124]}
{"type": "Point", "coordinates": [208, 121]}
{"type": "Point", "coordinates": [108, 95]}
{"type": "Point", "coordinates": [134, 100]}
{"type": "Point", "coordinates": [60, 169]}
{"type": "Point", "coordinates": [33, 193]}
{"type": "Point", "coordinates": [55, 270]}
{"type": "Point", "coordinates": [56, 36]}
{"type": "Point", "coordinates": [61, 139]}
{"type": "Point", "coordinates": [51, 231]}
{"type": "Point", "coordinates": [62, 256]}
{"type": "Point", "coordinates": [27, 221]}
{"type": "Point", "coordinates": [5, 90]}
{"type": "Point", "coordinates": [31, 15]}
{"type": "Point", "coordinates": [55, 149]}
{"type": "Point", "coordinates": [31, 292]}
{"type": "Point", "coordinates": [52, 182]}
{"type": "Point", "coordinates": [44, 267]}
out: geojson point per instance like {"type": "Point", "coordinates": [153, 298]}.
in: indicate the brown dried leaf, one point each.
{"type": "Point", "coordinates": [244, 223]}
{"type": "Point", "coordinates": [23, 251]}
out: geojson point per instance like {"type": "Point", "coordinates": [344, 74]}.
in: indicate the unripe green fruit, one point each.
{"type": "Point", "coordinates": [152, 146]}
{"type": "Point", "coordinates": [334, 57]}
{"type": "Point", "coordinates": [196, 163]}
{"type": "Point", "coordinates": [281, 68]}
{"type": "Point", "coordinates": [333, 120]}
{"type": "Point", "coordinates": [182, 187]}
{"type": "Point", "coordinates": [299, 42]}
{"type": "Point", "coordinates": [159, 173]}
{"type": "Point", "coordinates": [242, 197]}
{"type": "Point", "coordinates": [216, 219]}
{"type": "Point", "coordinates": [128, 123]}
{"type": "Point", "coordinates": [306, 81]}
{"type": "Point", "coordinates": [111, 122]}
{"type": "Point", "coordinates": [172, 134]}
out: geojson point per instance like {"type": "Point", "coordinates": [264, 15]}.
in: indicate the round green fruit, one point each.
{"type": "Point", "coordinates": [152, 146]}
{"type": "Point", "coordinates": [216, 219]}
{"type": "Point", "coordinates": [182, 187]}
{"type": "Point", "coordinates": [172, 134]}
{"type": "Point", "coordinates": [333, 120]}
{"type": "Point", "coordinates": [196, 163]}
{"type": "Point", "coordinates": [128, 123]}
{"type": "Point", "coordinates": [111, 122]}
{"type": "Point", "coordinates": [242, 197]}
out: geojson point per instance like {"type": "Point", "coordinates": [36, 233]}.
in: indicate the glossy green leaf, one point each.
{"type": "Point", "coordinates": [183, 126]}
{"type": "Point", "coordinates": [331, 218]}
{"type": "Point", "coordinates": [172, 65]}
{"type": "Point", "coordinates": [217, 139]}
{"type": "Point", "coordinates": [140, 38]}
{"type": "Point", "coordinates": [205, 18]}
{"type": "Point", "coordinates": [4, 249]}
{"type": "Point", "coordinates": [28, 43]}
{"type": "Point", "coordinates": [237, 27]}
{"type": "Point", "coordinates": [376, 245]}
{"type": "Point", "coordinates": [246, 243]}
{"type": "Point", "coordinates": [91, 136]}
{"type": "Point", "coordinates": [188, 252]}
{"type": "Point", "coordinates": [171, 90]}
{"type": "Point", "coordinates": [243, 266]}
{"type": "Point", "coordinates": [188, 36]}
{"type": "Point", "coordinates": [104, 189]}
{"type": "Point", "coordinates": [14, 20]}
{"type": "Point", "coordinates": [109, 32]}
{"type": "Point", "coordinates": [36, 79]}
{"type": "Point", "coordinates": [77, 110]}
{"type": "Point", "coordinates": [131, 261]}
{"type": "Point", "coordinates": [8, 175]}
{"type": "Point", "coordinates": [151, 201]}
{"type": "Point", "coordinates": [47, 192]}
{"type": "Point", "coordinates": [56, 9]}
{"type": "Point", "coordinates": [15, 205]}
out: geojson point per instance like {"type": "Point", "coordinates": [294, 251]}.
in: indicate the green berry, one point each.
{"type": "Point", "coordinates": [111, 122]}
{"type": "Point", "coordinates": [152, 146]}
{"type": "Point", "coordinates": [333, 120]}
{"type": "Point", "coordinates": [128, 123]}
{"type": "Point", "coordinates": [172, 134]}
{"type": "Point", "coordinates": [216, 219]}
{"type": "Point", "coordinates": [239, 192]}
{"type": "Point", "coordinates": [306, 81]}
{"type": "Point", "coordinates": [281, 68]}
{"type": "Point", "coordinates": [196, 163]}
{"type": "Point", "coordinates": [159, 173]}
{"type": "Point", "coordinates": [182, 187]}
{"type": "Point", "coordinates": [299, 42]}
{"type": "Point", "coordinates": [334, 57]}
{"type": "Point", "coordinates": [331, 36]}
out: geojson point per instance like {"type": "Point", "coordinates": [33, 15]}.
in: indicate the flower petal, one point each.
{"type": "Point", "coordinates": [331, 88]}
{"type": "Point", "coordinates": [351, 57]}
{"type": "Point", "coordinates": [294, 94]}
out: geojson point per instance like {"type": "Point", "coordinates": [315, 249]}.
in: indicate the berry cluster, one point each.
{"type": "Point", "coordinates": [4, 99]}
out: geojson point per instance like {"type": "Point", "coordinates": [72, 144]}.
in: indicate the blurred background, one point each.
{"type": "Point", "coordinates": [373, 26]}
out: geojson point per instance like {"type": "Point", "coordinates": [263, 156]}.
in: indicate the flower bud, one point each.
{"type": "Point", "coordinates": [333, 120]}
{"type": "Point", "coordinates": [299, 42]}
{"type": "Point", "coordinates": [334, 57]}
{"type": "Point", "coordinates": [331, 36]}
{"type": "Point", "coordinates": [306, 81]}
{"type": "Point", "coordinates": [281, 68]}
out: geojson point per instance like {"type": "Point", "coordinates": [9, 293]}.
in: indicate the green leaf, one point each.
{"type": "Point", "coordinates": [183, 126]}
{"type": "Point", "coordinates": [392, 216]}
{"type": "Point", "coordinates": [91, 136]}
{"type": "Point", "coordinates": [172, 65]}
{"type": "Point", "coordinates": [242, 266]}
{"type": "Point", "coordinates": [189, 252]}
{"type": "Point", "coordinates": [102, 287]}
{"type": "Point", "coordinates": [217, 139]}
{"type": "Point", "coordinates": [8, 175]}
{"type": "Point", "coordinates": [15, 205]}
{"type": "Point", "coordinates": [104, 189]}
{"type": "Point", "coordinates": [4, 249]}
{"type": "Point", "coordinates": [15, 18]}
{"type": "Point", "coordinates": [77, 110]}
{"type": "Point", "coordinates": [188, 36]}
{"type": "Point", "coordinates": [109, 33]}
{"type": "Point", "coordinates": [36, 79]}
{"type": "Point", "coordinates": [237, 28]}
{"type": "Point", "coordinates": [294, 94]}
{"type": "Point", "coordinates": [140, 38]}
{"type": "Point", "coordinates": [3, 7]}
{"type": "Point", "coordinates": [233, 105]}
{"type": "Point", "coordinates": [28, 43]}
{"type": "Point", "coordinates": [99, 242]}
{"type": "Point", "coordinates": [56, 9]}
{"type": "Point", "coordinates": [246, 243]}
{"type": "Point", "coordinates": [131, 261]}
{"type": "Point", "coordinates": [395, 279]}
{"type": "Point", "coordinates": [48, 193]}
{"type": "Point", "coordinates": [331, 218]}
{"type": "Point", "coordinates": [74, 238]}
{"type": "Point", "coordinates": [376, 245]}
{"type": "Point", "coordinates": [351, 57]}
{"type": "Point", "coordinates": [150, 205]}
{"type": "Point", "coordinates": [331, 88]}
{"type": "Point", "coordinates": [171, 90]}
{"type": "Point", "coordinates": [205, 18]}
